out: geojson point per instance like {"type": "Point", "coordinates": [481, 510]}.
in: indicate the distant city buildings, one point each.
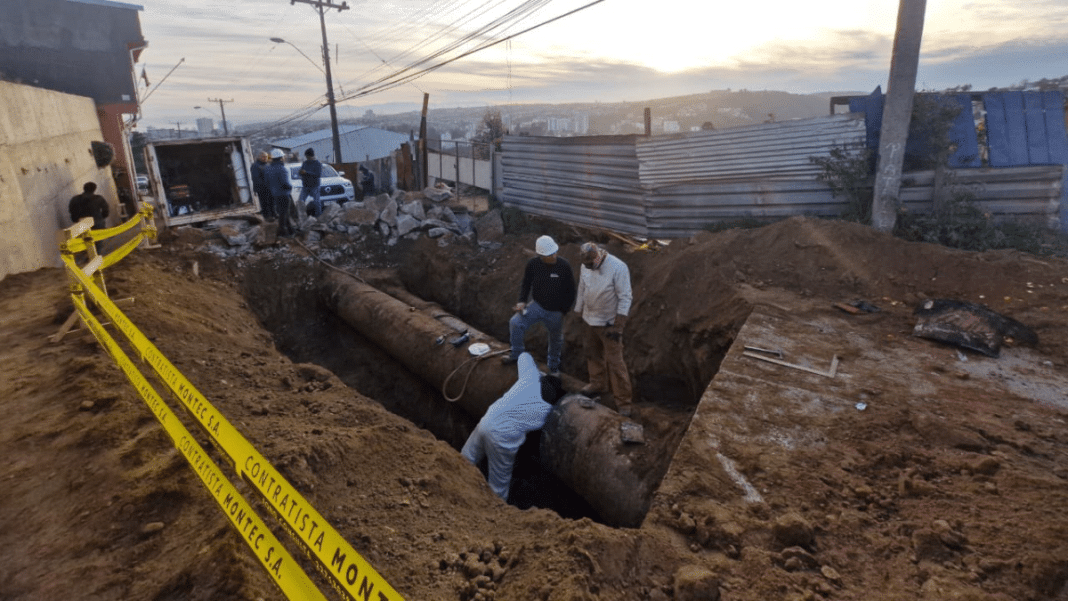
{"type": "Point", "coordinates": [578, 124]}
{"type": "Point", "coordinates": [206, 127]}
{"type": "Point", "coordinates": [718, 110]}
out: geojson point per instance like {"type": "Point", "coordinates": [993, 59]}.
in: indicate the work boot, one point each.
{"type": "Point", "coordinates": [591, 391]}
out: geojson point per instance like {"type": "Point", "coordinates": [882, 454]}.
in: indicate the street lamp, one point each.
{"type": "Point", "coordinates": [329, 85]}
{"type": "Point", "coordinates": [206, 111]}
{"type": "Point", "coordinates": [226, 129]}
{"type": "Point", "coordinates": [317, 65]}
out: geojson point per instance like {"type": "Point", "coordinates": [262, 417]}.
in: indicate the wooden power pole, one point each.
{"type": "Point", "coordinates": [424, 169]}
{"type": "Point", "coordinates": [897, 113]}
{"type": "Point", "coordinates": [226, 130]}
{"type": "Point", "coordinates": [321, 6]}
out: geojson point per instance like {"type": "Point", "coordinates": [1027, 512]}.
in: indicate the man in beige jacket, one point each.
{"type": "Point", "coordinates": [604, 299]}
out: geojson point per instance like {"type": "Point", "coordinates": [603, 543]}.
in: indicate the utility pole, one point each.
{"type": "Point", "coordinates": [897, 113]}
{"type": "Point", "coordinates": [424, 169]}
{"type": "Point", "coordinates": [321, 6]}
{"type": "Point", "coordinates": [226, 130]}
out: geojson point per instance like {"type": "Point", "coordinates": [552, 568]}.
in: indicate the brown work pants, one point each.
{"type": "Point", "coordinates": [604, 361]}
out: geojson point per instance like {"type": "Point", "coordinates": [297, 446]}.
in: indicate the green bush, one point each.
{"type": "Point", "coordinates": [848, 173]}
{"type": "Point", "coordinates": [962, 224]}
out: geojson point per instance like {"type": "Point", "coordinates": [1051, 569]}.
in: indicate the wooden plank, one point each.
{"type": "Point", "coordinates": [830, 373]}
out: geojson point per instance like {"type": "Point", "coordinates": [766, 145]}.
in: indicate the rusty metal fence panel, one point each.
{"type": "Point", "coordinates": [591, 181]}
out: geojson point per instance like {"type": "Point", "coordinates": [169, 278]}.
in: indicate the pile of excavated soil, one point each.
{"type": "Point", "coordinates": [961, 496]}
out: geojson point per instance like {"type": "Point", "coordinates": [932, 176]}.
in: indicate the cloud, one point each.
{"type": "Point", "coordinates": [995, 66]}
{"type": "Point", "coordinates": [228, 54]}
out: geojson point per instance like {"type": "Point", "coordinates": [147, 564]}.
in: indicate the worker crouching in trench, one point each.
{"type": "Point", "coordinates": [501, 431]}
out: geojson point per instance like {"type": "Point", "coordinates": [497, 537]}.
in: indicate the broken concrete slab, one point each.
{"type": "Point", "coordinates": [490, 227]}
{"type": "Point", "coordinates": [414, 208]}
{"type": "Point", "coordinates": [406, 224]}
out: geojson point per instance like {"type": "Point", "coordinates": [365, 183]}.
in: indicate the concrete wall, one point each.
{"type": "Point", "coordinates": [45, 157]}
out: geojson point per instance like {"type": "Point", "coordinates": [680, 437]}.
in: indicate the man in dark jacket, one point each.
{"type": "Point", "coordinates": [549, 282]}
{"type": "Point", "coordinates": [367, 182]}
{"type": "Point", "coordinates": [259, 186]}
{"type": "Point", "coordinates": [311, 173]}
{"type": "Point", "coordinates": [89, 204]}
{"type": "Point", "coordinates": [278, 186]}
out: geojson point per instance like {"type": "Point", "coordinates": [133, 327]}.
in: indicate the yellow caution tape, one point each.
{"type": "Point", "coordinates": [284, 570]}
{"type": "Point", "coordinates": [352, 575]}
{"type": "Point", "coordinates": [79, 231]}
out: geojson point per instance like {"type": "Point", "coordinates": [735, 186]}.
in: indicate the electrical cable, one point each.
{"type": "Point", "coordinates": [512, 17]}
{"type": "Point", "coordinates": [386, 83]}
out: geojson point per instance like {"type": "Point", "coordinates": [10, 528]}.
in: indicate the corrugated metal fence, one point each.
{"type": "Point", "coordinates": [758, 171]}
{"type": "Point", "coordinates": [674, 186]}
{"type": "Point", "coordinates": [591, 181]}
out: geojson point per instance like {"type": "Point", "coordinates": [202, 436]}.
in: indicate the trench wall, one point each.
{"type": "Point", "coordinates": [45, 158]}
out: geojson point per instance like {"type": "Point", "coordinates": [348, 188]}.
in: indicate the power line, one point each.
{"type": "Point", "coordinates": [515, 15]}
{"type": "Point", "coordinates": [438, 34]}
{"type": "Point", "coordinates": [399, 78]}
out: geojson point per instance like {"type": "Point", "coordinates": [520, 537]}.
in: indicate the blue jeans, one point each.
{"type": "Point", "coordinates": [532, 314]}
{"type": "Point", "coordinates": [315, 208]}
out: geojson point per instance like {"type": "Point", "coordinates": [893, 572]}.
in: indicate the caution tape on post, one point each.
{"type": "Point", "coordinates": [285, 572]}
{"type": "Point", "coordinates": [83, 229]}
{"type": "Point", "coordinates": [352, 576]}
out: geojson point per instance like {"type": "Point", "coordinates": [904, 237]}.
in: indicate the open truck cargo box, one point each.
{"type": "Point", "coordinates": [201, 179]}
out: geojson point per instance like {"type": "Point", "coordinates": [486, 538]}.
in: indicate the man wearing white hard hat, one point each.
{"type": "Point", "coordinates": [547, 294]}
{"type": "Point", "coordinates": [277, 176]}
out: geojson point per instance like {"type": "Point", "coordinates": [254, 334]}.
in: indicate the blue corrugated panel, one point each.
{"type": "Point", "coordinates": [962, 132]}
{"type": "Point", "coordinates": [997, 137]}
{"type": "Point", "coordinates": [872, 107]}
{"type": "Point", "coordinates": [964, 136]}
{"type": "Point", "coordinates": [1058, 144]}
{"type": "Point", "coordinates": [1035, 119]}
{"type": "Point", "coordinates": [1016, 128]}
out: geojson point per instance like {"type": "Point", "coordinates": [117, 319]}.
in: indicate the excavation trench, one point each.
{"type": "Point", "coordinates": [401, 350]}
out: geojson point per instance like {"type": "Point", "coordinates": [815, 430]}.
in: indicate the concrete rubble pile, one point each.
{"type": "Point", "coordinates": [388, 217]}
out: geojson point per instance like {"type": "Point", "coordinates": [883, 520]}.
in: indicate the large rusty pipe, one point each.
{"type": "Point", "coordinates": [419, 337]}
{"type": "Point", "coordinates": [581, 444]}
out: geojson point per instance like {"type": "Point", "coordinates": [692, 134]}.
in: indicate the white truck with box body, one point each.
{"type": "Point", "coordinates": [201, 179]}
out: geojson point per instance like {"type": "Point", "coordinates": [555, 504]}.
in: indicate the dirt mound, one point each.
{"type": "Point", "coordinates": [957, 496]}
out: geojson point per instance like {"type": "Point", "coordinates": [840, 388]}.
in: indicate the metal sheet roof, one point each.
{"type": "Point", "coordinates": [358, 143]}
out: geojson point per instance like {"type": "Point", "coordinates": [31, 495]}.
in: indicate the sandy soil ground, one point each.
{"type": "Point", "coordinates": [958, 491]}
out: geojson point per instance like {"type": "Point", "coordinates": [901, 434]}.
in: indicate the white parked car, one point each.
{"type": "Point", "coordinates": [332, 186]}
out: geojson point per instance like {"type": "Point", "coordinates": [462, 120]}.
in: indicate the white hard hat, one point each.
{"type": "Point", "coordinates": [546, 246]}
{"type": "Point", "coordinates": [277, 153]}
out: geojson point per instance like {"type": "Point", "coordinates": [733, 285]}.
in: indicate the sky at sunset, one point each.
{"type": "Point", "coordinates": [386, 54]}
